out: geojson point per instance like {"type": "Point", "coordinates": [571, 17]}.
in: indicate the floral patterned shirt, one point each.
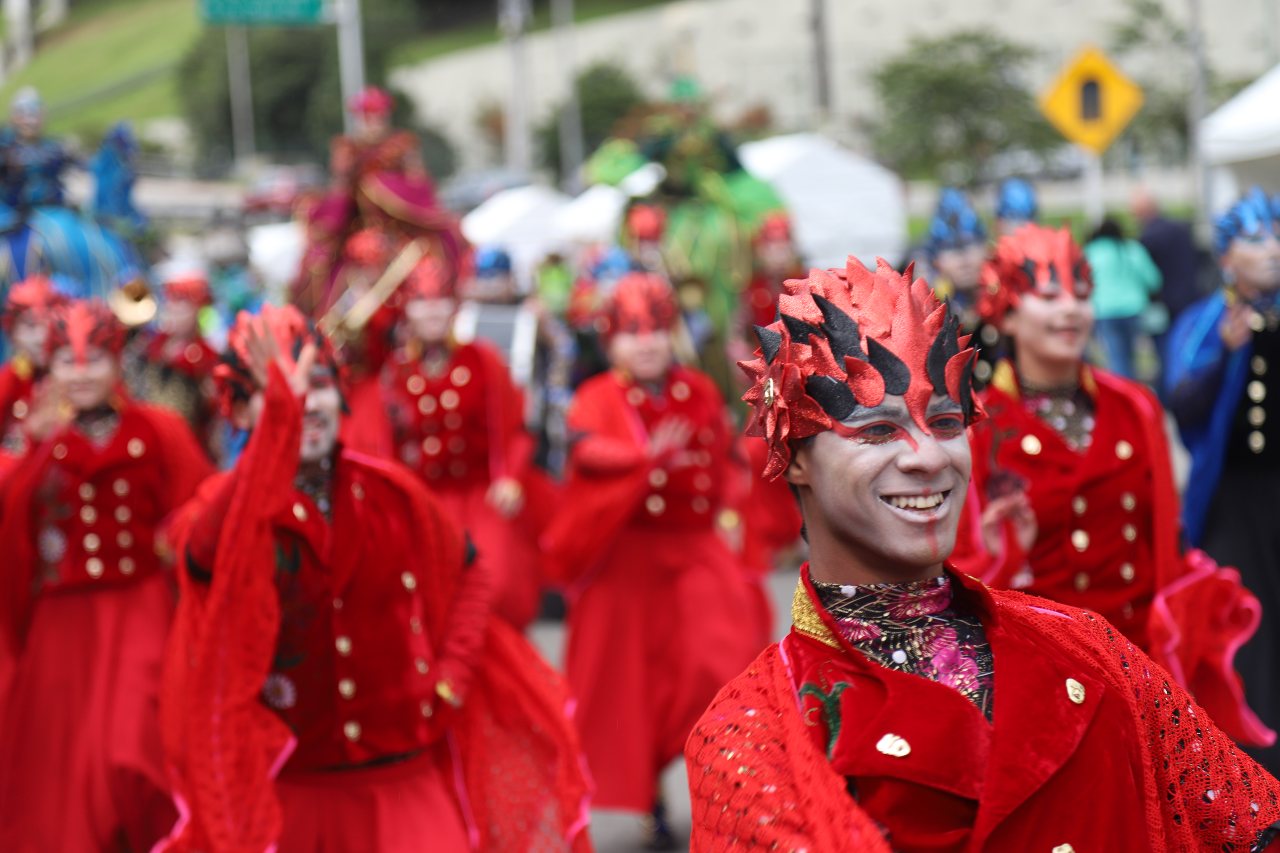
{"type": "Point", "coordinates": [914, 627]}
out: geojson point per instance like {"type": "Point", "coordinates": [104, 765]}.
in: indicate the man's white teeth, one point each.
{"type": "Point", "coordinates": [916, 501]}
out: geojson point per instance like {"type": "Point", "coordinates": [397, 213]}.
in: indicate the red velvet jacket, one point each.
{"type": "Point", "coordinates": [17, 383]}
{"type": "Point", "coordinates": [1108, 537]}
{"type": "Point", "coordinates": [465, 425]}
{"type": "Point", "coordinates": [79, 516]}
{"type": "Point", "coordinates": [612, 480]}
{"type": "Point", "coordinates": [331, 641]}
{"type": "Point", "coordinates": [1091, 747]}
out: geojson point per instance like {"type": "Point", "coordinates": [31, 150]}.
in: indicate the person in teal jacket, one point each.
{"type": "Point", "coordinates": [1124, 280]}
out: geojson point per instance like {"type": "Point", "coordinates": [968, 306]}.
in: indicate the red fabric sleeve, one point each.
{"type": "Point", "coordinates": [464, 633]}
{"type": "Point", "coordinates": [224, 745]}
{"type": "Point", "coordinates": [16, 531]}
{"type": "Point", "coordinates": [971, 555]}
{"type": "Point", "coordinates": [758, 783]}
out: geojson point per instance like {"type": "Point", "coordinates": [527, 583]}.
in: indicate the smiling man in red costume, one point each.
{"type": "Point", "coordinates": [911, 708]}
{"type": "Point", "coordinates": [336, 680]}
{"type": "Point", "coordinates": [86, 600]}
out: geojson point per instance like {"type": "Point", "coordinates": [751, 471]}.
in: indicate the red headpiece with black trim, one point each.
{"type": "Point", "coordinates": [371, 101]}
{"type": "Point", "coordinates": [191, 287]}
{"type": "Point", "coordinates": [235, 381]}
{"type": "Point", "coordinates": [35, 295]}
{"type": "Point", "coordinates": [641, 302]}
{"type": "Point", "coordinates": [775, 226]}
{"type": "Point", "coordinates": [1033, 259]}
{"type": "Point", "coordinates": [430, 280]}
{"type": "Point", "coordinates": [646, 222]}
{"type": "Point", "coordinates": [847, 338]}
{"type": "Point", "coordinates": [84, 323]}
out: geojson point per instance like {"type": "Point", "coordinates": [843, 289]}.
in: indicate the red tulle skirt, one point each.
{"type": "Point", "coordinates": [507, 550]}
{"type": "Point", "coordinates": [407, 807]}
{"type": "Point", "coordinates": [663, 624]}
{"type": "Point", "coordinates": [81, 767]}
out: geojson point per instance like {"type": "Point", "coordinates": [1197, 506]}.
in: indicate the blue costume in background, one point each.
{"type": "Point", "coordinates": [114, 173]}
{"type": "Point", "coordinates": [956, 226]}
{"type": "Point", "coordinates": [1228, 409]}
{"type": "Point", "coordinates": [1016, 202]}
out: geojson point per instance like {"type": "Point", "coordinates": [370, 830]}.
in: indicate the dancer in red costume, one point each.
{"type": "Point", "coordinates": [26, 325]}
{"type": "Point", "coordinates": [458, 421]}
{"type": "Point", "coordinates": [173, 367]}
{"type": "Point", "coordinates": [379, 182]}
{"type": "Point", "coordinates": [336, 681]}
{"type": "Point", "coordinates": [657, 601]}
{"type": "Point", "coordinates": [1073, 495]}
{"type": "Point", "coordinates": [87, 601]}
{"type": "Point", "coordinates": [912, 708]}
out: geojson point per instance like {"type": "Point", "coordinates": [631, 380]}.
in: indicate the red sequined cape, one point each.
{"type": "Point", "coordinates": [761, 781]}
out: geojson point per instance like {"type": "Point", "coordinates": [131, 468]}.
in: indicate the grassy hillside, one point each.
{"type": "Point", "coordinates": [113, 59]}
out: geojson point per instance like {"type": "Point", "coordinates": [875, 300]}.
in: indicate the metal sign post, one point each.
{"type": "Point", "coordinates": [241, 91]}
{"type": "Point", "coordinates": [350, 55]}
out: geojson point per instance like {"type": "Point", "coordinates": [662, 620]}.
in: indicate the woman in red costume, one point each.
{"type": "Point", "coordinates": [912, 708]}
{"type": "Point", "coordinates": [1073, 495]}
{"type": "Point", "coordinates": [379, 182]}
{"type": "Point", "coordinates": [26, 324]}
{"type": "Point", "coordinates": [457, 420]}
{"type": "Point", "coordinates": [657, 600]}
{"type": "Point", "coordinates": [335, 680]}
{"type": "Point", "coordinates": [87, 601]}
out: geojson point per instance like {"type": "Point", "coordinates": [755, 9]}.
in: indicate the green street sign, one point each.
{"type": "Point", "coordinates": [264, 12]}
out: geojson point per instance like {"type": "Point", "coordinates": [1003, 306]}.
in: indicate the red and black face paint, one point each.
{"type": "Point", "coordinates": [846, 339]}
{"type": "Point", "coordinates": [1037, 260]}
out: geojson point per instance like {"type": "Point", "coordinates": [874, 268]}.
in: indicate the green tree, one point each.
{"type": "Point", "coordinates": [297, 105]}
{"type": "Point", "coordinates": [948, 105]}
{"type": "Point", "coordinates": [606, 94]}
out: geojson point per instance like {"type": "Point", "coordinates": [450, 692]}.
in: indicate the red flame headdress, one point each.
{"type": "Point", "coordinates": [646, 222]}
{"type": "Point", "coordinates": [641, 302]}
{"type": "Point", "coordinates": [847, 338]}
{"type": "Point", "coordinates": [189, 287]}
{"type": "Point", "coordinates": [292, 331]}
{"type": "Point", "coordinates": [35, 294]}
{"type": "Point", "coordinates": [430, 280]}
{"type": "Point", "coordinates": [1033, 259]}
{"type": "Point", "coordinates": [776, 226]}
{"type": "Point", "coordinates": [84, 323]}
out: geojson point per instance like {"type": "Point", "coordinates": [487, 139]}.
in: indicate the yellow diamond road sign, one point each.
{"type": "Point", "coordinates": [1091, 101]}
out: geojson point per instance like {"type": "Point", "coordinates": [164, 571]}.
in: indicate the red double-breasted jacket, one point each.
{"type": "Point", "coordinates": [17, 383]}
{"type": "Point", "coordinates": [462, 425]}
{"type": "Point", "coordinates": [1096, 509]}
{"type": "Point", "coordinates": [613, 482]}
{"type": "Point", "coordinates": [1108, 537]}
{"type": "Point", "coordinates": [78, 515]}
{"type": "Point", "coordinates": [1091, 746]}
{"type": "Point", "coordinates": [312, 644]}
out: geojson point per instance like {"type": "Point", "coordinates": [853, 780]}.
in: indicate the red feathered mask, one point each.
{"type": "Point", "coordinates": [1033, 259]}
{"type": "Point", "coordinates": [641, 302]}
{"type": "Point", "coordinates": [36, 295]}
{"type": "Point", "coordinates": [84, 323]}
{"type": "Point", "coordinates": [292, 331]}
{"type": "Point", "coordinates": [847, 338]}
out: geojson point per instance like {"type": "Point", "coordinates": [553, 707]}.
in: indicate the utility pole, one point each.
{"type": "Point", "coordinates": [821, 61]}
{"type": "Point", "coordinates": [571, 143]}
{"type": "Point", "coordinates": [1198, 107]}
{"type": "Point", "coordinates": [350, 55]}
{"type": "Point", "coordinates": [513, 20]}
{"type": "Point", "coordinates": [241, 91]}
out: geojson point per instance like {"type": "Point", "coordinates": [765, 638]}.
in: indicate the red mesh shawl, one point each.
{"type": "Point", "coordinates": [524, 784]}
{"type": "Point", "coordinates": [759, 782]}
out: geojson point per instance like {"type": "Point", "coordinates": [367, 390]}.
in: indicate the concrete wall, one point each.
{"type": "Point", "coordinates": [747, 53]}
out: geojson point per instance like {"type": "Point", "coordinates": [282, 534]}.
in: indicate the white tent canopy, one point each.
{"type": "Point", "coordinates": [841, 204]}
{"type": "Point", "coordinates": [1243, 135]}
{"type": "Point", "coordinates": [522, 221]}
